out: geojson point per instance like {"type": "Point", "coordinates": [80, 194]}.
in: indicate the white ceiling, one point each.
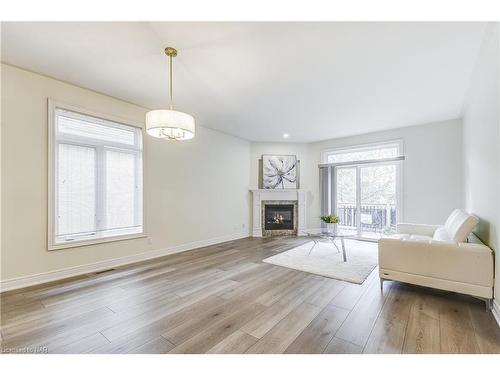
{"type": "Point", "coordinates": [259, 80]}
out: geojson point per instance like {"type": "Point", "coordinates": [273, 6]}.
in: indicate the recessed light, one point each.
{"type": "Point", "coordinates": [286, 135]}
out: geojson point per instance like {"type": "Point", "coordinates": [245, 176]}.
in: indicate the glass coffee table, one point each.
{"type": "Point", "coordinates": [322, 234]}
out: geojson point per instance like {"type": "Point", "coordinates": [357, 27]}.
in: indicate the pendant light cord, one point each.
{"type": "Point", "coordinates": [171, 84]}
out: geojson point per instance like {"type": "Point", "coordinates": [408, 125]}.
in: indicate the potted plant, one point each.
{"type": "Point", "coordinates": [331, 222]}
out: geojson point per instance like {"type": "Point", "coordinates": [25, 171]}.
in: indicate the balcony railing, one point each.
{"type": "Point", "coordinates": [374, 216]}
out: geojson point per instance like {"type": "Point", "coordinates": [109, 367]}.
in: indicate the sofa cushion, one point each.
{"type": "Point", "coordinates": [399, 236]}
{"type": "Point", "coordinates": [419, 237]}
{"type": "Point", "coordinates": [441, 234]}
{"type": "Point", "coordinates": [460, 225]}
{"type": "Point", "coordinates": [410, 237]}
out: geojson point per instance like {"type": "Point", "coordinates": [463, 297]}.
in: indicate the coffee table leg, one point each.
{"type": "Point", "coordinates": [343, 249]}
{"type": "Point", "coordinates": [334, 244]}
{"type": "Point", "coordinates": [313, 246]}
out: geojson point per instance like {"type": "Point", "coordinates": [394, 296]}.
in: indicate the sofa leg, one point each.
{"type": "Point", "coordinates": [381, 285]}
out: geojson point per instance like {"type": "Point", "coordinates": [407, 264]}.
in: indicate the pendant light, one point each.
{"type": "Point", "coordinates": [170, 124]}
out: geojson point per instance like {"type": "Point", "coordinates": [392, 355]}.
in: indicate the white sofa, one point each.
{"type": "Point", "coordinates": [447, 257]}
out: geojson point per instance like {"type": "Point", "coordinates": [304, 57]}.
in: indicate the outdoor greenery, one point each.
{"type": "Point", "coordinates": [378, 185]}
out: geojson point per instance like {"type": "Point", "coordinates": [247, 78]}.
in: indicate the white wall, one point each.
{"type": "Point", "coordinates": [194, 191]}
{"type": "Point", "coordinates": [481, 142]}
{"type": "Point", "coordinates": [432, 172]}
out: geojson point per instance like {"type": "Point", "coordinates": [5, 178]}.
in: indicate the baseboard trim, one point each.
{"type": "Point", "coordinates": [496, 311]}
{"type": "Point", "coordinates": [46, 277]}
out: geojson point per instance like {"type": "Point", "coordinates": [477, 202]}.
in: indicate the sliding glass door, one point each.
{"type": "Point", "coordinates": [366, 198]}
{"type": "Point", "coordinates": [378, 199]}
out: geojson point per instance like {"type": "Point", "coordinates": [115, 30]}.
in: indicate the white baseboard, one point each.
{"type": "Point", "coordinates": [41, 278]}
{"type": "Point", "coordinates": [496, 311]}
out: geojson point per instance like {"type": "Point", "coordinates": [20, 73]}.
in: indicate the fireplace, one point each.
{"type": "Point", "coordinates": [264, 197]}
{"type": "Point", "coordinates": [279, 218]}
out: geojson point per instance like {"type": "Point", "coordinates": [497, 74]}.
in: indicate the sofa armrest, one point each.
{"type": "Point", "coordinates": [462, 262]}
{"type": "Point", "coordinates": [420, 229]}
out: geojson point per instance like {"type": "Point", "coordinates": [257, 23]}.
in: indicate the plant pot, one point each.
{"type": "Point", "coordinates": [331, 228]}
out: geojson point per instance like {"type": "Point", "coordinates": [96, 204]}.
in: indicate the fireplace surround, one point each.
{"type": "Point", "coordinates": [276, 198]}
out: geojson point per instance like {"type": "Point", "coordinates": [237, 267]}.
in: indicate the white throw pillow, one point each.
{"type": "Point", "coordinates": [452, 216]}
{"type": "Point", "coordinates": [461, 225]}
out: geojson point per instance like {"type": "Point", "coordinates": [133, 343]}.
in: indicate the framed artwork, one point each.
{"type": "Point", "coordinates": [280, 172]}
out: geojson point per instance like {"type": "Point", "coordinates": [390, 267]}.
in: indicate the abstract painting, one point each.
{"type": "Point", "coordinates": [279, 172]}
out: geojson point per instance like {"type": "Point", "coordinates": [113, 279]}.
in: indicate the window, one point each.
{"type": "Point", "coordinates": [362, 153]}
{"type": "Point", "coordinates": [95, 178]}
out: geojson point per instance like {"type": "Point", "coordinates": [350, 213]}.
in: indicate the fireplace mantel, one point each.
{"type": "Point", "coordinates": [259, 195]}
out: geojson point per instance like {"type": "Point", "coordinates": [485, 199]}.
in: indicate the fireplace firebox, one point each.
{"type": "Point", "coordinates": [279, 217]}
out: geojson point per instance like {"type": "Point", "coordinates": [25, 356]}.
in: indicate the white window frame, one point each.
{"type": "Point", "coordinates": [361, 147]}
{"type": "Point", "coordinates": [52, 105]}
{"type": "Point", "coordinates": [371, 162]}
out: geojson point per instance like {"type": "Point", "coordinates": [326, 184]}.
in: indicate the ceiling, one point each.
{"type": "Point", "coordinates": [259, 80]}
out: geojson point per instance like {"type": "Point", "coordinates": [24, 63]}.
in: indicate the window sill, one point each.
{"type": "Point", "coordinates": [97, 241]}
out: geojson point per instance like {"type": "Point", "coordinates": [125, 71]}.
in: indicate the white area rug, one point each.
{"type": "Point", "coordinates": [324, 260]}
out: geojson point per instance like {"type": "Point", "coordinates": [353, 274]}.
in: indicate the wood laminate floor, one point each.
{"type": "Point", "coordinates": [223, 299]}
